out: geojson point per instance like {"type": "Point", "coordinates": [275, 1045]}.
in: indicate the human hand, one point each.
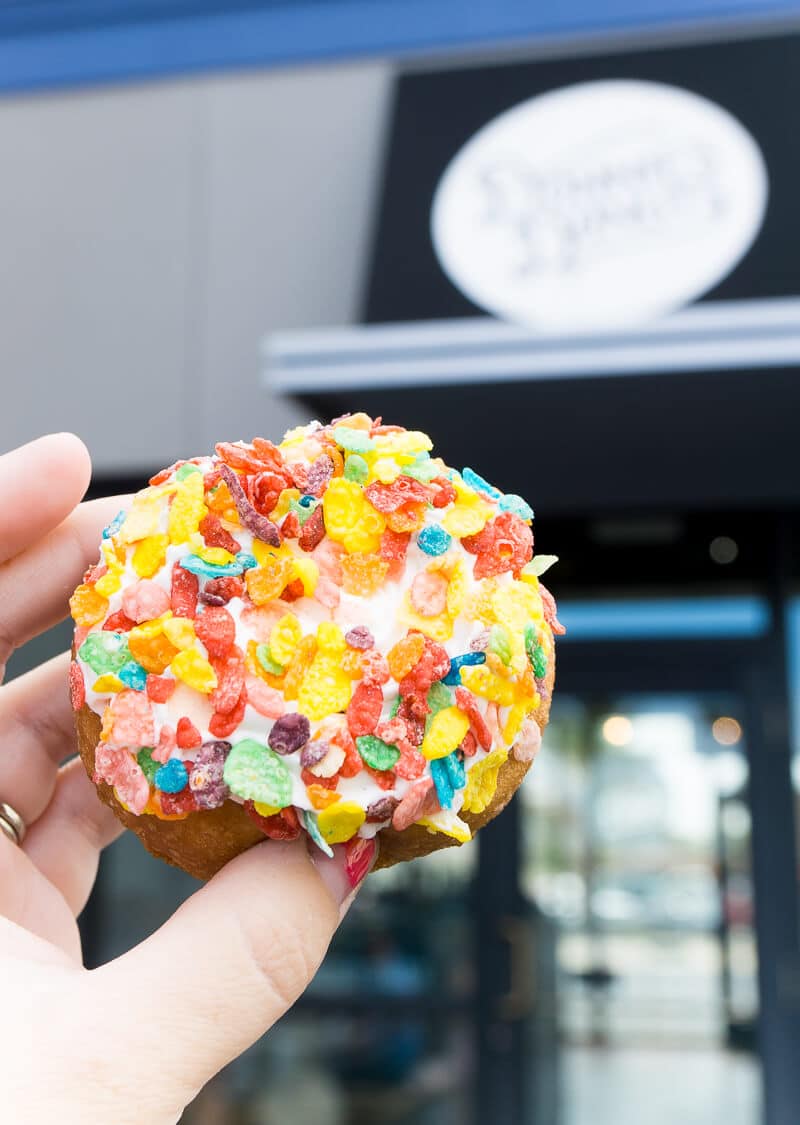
{"type": "Point", "coordinates": [135, 1040]}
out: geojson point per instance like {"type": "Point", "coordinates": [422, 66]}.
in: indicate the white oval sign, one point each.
{"type": "Point", "coordinates": [599, 205]}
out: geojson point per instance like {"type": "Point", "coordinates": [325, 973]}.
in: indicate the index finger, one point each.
{"type": "Point", "coordinates": [41, 483]}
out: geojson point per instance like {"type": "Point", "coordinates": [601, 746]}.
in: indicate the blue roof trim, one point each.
{"type": "Point", "coordinates": [73, 43]}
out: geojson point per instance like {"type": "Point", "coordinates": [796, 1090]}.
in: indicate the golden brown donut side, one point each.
{"type": "Point", "coordinates": [204, 841]}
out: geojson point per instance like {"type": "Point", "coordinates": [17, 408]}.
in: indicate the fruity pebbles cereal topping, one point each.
{"type": "Point", "coordinates": [339, 633]}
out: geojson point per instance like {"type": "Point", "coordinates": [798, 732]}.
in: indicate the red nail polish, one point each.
{"type": "Point", "coordinates": [359, 856]}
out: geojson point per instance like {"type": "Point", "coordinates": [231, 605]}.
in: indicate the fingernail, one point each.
{"type": "Point", "coordinates": [360, 856]}
{"type": "Point", "coordinates": [346, 870]}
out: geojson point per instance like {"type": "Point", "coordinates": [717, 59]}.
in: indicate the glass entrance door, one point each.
{"type": "Point", "coordinates": [638, 845]}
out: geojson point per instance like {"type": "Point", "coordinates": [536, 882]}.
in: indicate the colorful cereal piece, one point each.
{"type": "Point", "coordinates": [187, 509]}
{"type": "Point", "coordinates": [206, 775]}
{"type": "Point", "coordinates": [513, 503]}
{"type": "Point", "coordinates": [107, 684]}
{"type": "Point", "coordinates": [439, 697]}
{"type": "Point", "coordinates": [131, 719]}
{"type": "Point", "coordinates": [268, 581]}
{"type": "Point", "coordinates": [290, 733]}
{"type": "Point", "coordinates": [179, 631]}
{"type": "Point", "coordinates": [504, 544]}
{"type": "Point", "coordinates": [483, 682]}
{"type": "Point", "coordinates": [419, 799]}
{"type": "Point", "coordinates": [312, 828]}
{"type": "Point", "coordinates": [445, 733]}
{"type": "Point", "coordinates": [429, 593]}
{"type": "Point", "coordinates": [133, 675]}
{"type": "Point", "coordinates": [403, 655]}
{"type": "Point", "coordinates": [118, 623]}
{"type": "Point", "coordinates": [359, 637]}
{"type": "Point", "coordinates": [216, 629]}
{"type": "Point", "coordinates": [528, 741]}
{"type": "Point", "coordinates": [172, 777]}
{"type": "Point", "coordinates": [352, 440]}
{"type": "Point", "coordinates": [374, 667]}
{"type": "Point", "coordinates": [325, 688]}
{"type": "Point", "coordinates": [255, 773]}
{"type": "Point", "coordinates": [339, 822]}
{"type": "Point", "coordinates": [266, 661]}
{"type": "Point", "coordinates": [284, 639]}
{"type": "Point", "coordinates": [313, 753]}
{"type": "Point", "coordinates": [187, 736]}
{"type": "Point", "coordinates": [280, 824]}
{"type": "Point", "coordinates": [423, 468]}
{"type": "Point", "coordinates": [467, 516]}
{"type": "Point", "coordinates": [329, 764]}
{"type": "Point", "coordinates": [363, 575]}
{"type": "Point", "coordinates": [364, 709]}
{"type": "Point", "coordinates": [382, 810]}
{"type": "Point", "coordinates": [550, 610]}
{"type": "Point", "coordinates": [196, 565]}
{"type": "Point", "coordinates": [376, 753]}
{"type": "Point", "coordinates": [159, 688]}
{"type": "Point", "coordinates": [183, 591]}
{"type": "Point", "coordinates": [449, 824]}
{"type": "Point", "coordinates": [112, 528]}
{"type": "Point", "coordinates": [150, 648]}
{"type": "Point", "coordinates": [105, 652]}
{"type": "Point", "coordinates": [145, 600]}
{"type": "Point", "coordinates": [454, 764]}
{"type": "Point", "coordinates": [266, 700]}
{"type": "Point", "coordinates": [350, 519]}
{"type": "Point", "coordinates": [141, 521]}
{"type": "Point", "coordinates": [148, 765]}
{"type": "Point", "coordinates": [186, 470]}
{"type": "Point", "coordinates": [389, 497]}
{"type": "Point", "coordinates": [229, 671]}
{"type": "Point", "coordinates": [150, 555]}
{"type": "Point", "coordinates": [434, 540]}
{"type": "Point", "coordinates": [475, 481]}
{"type": "Point", "coordinates": [215, 535]}
{"type": "Point", "coordinates": [482, 781]}
{"type": "Point", "coordinates": [443, 492]}
{"type": "Point", "coordinates": [536, 653]}
{"type": "Point", "coordinates": [499, 644]}
{"type": "Point", "coordinates": [448, 775]}
{"type": "Point", "coordinates": [119, 768]}
{"type": "Point", "coordinates": [356, 468]}
{"type": "Point", "coordinates": [77, 686]}
{"type": "Point", "coordinates": [300, 664]}
{"type": "Point", "coordinates": [465, 660]}
{"type": "Point", "coordinates": [467, 703]}
{"type": "Point", "coordinates": [312, 530]}
{"type": "Point", "coordinates": [194, 670]}
{"type": "Point", "coordinates": [222, 724]}
{"type": "Point", "coordinates": [538, 565]}
{"type": "Point", "coordinates": [87, 606]}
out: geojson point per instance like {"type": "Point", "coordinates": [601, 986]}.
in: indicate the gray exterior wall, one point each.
{"type": "Point", "coordinates": [151, 235]}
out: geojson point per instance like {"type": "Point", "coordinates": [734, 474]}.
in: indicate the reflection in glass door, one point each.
{"type": "Point", "coordinates": [660, 842]}
{"type": "Point", "coordinates": [636, 844]}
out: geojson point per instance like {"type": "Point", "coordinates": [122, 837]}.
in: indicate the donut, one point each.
{"type": "Point", "coordinates": [338, 635]}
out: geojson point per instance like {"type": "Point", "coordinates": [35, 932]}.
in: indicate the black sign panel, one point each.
{"type": "Point", "coordinates": [436, 113]}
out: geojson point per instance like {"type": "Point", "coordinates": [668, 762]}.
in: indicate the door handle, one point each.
{"type": "Point", "coordinates": [518, 1002]}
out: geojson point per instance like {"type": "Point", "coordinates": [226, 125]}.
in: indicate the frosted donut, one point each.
{"type": "Point", "coordinates": [337, 635]}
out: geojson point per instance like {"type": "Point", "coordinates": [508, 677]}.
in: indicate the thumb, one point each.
{"type": "Point", "coordinates": [231, 960]}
